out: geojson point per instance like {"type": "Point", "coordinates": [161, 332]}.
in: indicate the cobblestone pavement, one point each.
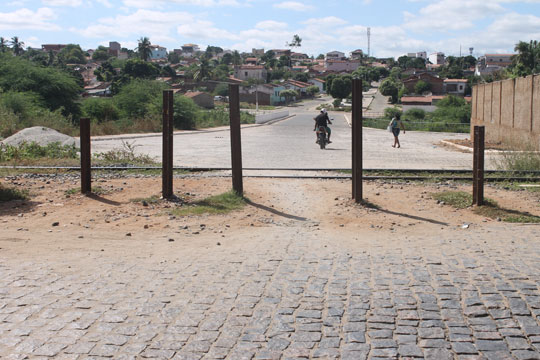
{"type": "Point", "coordinates": [281, 293]}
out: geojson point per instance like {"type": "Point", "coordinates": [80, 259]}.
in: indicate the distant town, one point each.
{"type": "Point", "coordinates": [292, 70]}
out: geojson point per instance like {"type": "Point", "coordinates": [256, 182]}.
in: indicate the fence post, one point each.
{"type": "Point", "coordinates": [86, 175]}
{"type": "Point", "coordinates": [478, 165]}
{"type": "Point", "coordinates": [236, 140]}
{"type": "Point", "coordinates": [357, 146]}
{"type": "Point", "coordinates": [167, 158]}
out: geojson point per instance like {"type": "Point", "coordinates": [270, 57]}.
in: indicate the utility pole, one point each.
{"type": "Point", "coordinates": [368, 41]}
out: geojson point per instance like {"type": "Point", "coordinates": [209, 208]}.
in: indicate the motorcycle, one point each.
{"type": "Point", "coordinates": [322, 138]}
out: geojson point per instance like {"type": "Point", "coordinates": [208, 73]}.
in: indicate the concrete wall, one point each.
{"type": "Point", "coordinates": [509, 109]}
{"type": "Point", "coordinates": [261, 119]}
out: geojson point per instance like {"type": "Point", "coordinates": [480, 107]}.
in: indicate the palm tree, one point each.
{"type": "Point", "coordinates": [204, 70]}
{"type": "Point", "coordinates": [3, 44]}
{"type": "Point", "coordinates": [17, 46]}
{"type": "Point", "coordinates": [143, 49]}
{"type": "Point", "coordinates": [528, 57]}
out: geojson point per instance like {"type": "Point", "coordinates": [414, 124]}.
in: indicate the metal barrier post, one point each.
{"type": "Point", "coordinates": [86, 174]}
{"type": "Point", "coordinates": [167, 161]}
{"type": "Point", "coordinates": [357, 146]}
{"type": "Point", "coordinates": [478, 166]}
{"type": "Point", "coordinates": [236, 140]}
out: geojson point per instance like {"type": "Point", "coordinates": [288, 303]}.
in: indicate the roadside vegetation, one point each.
{"type": "Point", "coordinates": [463, 200]}
{"type": "Point", "coordinates": [452, 115]}
{"type": "Point", "coordinates": [218, 204]}
{"type": "Point", "coordinates": [9, 194]}
{"type": "Point", "coordinates": [135, 105]}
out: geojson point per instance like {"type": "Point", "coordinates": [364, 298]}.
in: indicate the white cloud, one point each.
{"type": "Point", "coordinates": [451, 15]}
{"type": "Point", "coordinates": [293, 5]}
{"type": "Point", "coordinates": [329, 21]}
{"type": "Point", "coordinates": [71, 3]}
{"type": "Point", "coordinates": [153, 24]}
{"type": "Point", "coordinates": [205, 30]}
{"type": "Point", "coordinates": [146, 4]}
{"type": "Point", "coordinates": [105, 3]}
{"type": "Point", "coordinates": [41, 19]}
{"type": "Point", "coordinates": [270, 25]}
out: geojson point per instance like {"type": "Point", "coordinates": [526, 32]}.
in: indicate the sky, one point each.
{"type": "Point", "coordinates": [397, 26]}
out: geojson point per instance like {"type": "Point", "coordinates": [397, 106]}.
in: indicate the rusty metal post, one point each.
{"type": "Point", "coordinates": [357, 147]}
{"type": "Point", "coordinates": [236, 141]}
{"type": "Point", "coordinates": [478, 166]}
{"type": "Point", "coordinates": [86, 174]}
{"type": "Point", "coordinates": [167, 161]}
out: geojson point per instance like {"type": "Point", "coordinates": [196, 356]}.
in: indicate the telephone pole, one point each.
{"type": "Point", "coordinates": [368, 41]}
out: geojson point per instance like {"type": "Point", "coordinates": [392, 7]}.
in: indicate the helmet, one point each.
{"type": "Point", "coordinates": [323, 111]}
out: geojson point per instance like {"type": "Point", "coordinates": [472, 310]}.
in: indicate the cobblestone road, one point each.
{"type": "Point", "coordinates": [282, 294]}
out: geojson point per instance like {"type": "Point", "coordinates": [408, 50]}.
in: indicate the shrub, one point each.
{"type": "Point", "coordinates": [390, 112]}
{"type": "Point", "coordinates": [100, 109]}
{"type": "Point", "coordinates": [140, 97]}
{"type": "Point", "coordinates": [414, 114]}
{"type": "Point", "coordinates": [185, 113]}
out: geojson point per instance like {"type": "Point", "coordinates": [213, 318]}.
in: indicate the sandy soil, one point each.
{"type": "Point", "coordinates": [52, 220]}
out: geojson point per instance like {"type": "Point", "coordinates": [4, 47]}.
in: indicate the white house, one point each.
{"type": "Point", "coordinates": [244, 72]}
{"type": "Point", "coordinates": [455, 86]}
{"type": "Point", "coordinates": [490, 63]}
{"type": "Point", "coordinates": [335, 55]}
{"type": "Point", "coordinates": [318, 83]}
{"type": "Point", "coordinates": [437, 58]}
{"type": "Point", "coordinates": [190, 50]}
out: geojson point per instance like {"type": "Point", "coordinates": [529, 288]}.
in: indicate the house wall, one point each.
{"type": "Point", "coordinates": [509, 109]}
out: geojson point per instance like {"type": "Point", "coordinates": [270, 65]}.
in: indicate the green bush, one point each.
{"type": "Point", "coordinates": [35, 151]}
{"type": "Point", "coordinates": [140, 97]}
{"type": "Point", "coordinates": [100, 109]}
{"type": "Point", "coordinates": [414, 114]}
{"type": "Point", "coordinates": [186, 113]}
{"type": "Point", "coordinates": [390, 112]}
{"type": "Point", "coordinates": [23, 104]}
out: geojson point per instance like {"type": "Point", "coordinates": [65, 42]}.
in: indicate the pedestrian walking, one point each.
{"type": "Point", "coordinates": [395, 126]}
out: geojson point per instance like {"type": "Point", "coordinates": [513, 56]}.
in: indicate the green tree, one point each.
{"type": "Point", "coordinates": [57, 88]}
{"type": "Point", "coordinates": [227, 59]}
{"type": "Point", "coordinates": [288, 94]}
{"type": "Point", "coordinates": [140, 97]}
{"type": "Point", "coordinates": [100, 109]}
{"type": "Point", "coordinates": [236, 58]}
{"type": "Point", "coordinates": [71, 54]}
{"type": "Point", "coordinates": [341, 87]}
{"type": "Point", "coordinates": [101, 54]}
{"type": "Point", "coordinates": [320, 57]}
{"type": "Point", "coordinates": [3, 45]}
{"type": "Point", "coordinates": [390, 88]}
{"type": "Point", "coordinates": [296, 42]}
{"type": "Point", "coordinates": [173, 58]}
{"type": "Point", "coordinates": [203, 70]}
{"type": "Point", "coordinates": [421, 87]}
{"type": "Point", "coordinates": [301, 76]}
{"type": "Point", "coordinates": [17, 46]}
{"type": "Point", "coordinates": [395, 73]}
{"type": "Point", "coordinates": [185, 112]}
{"type": "Point", "coordinates": [312, 90]}
{"type": "Point", "coordinates": [527, 61]}
{"type": "Point", "coordinates": [137, 68]}
{"type": "Point", "coordinates": [143, 49]}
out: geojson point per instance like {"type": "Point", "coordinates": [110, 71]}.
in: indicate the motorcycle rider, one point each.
{"type": "Point", "coordinates": [322, 120]}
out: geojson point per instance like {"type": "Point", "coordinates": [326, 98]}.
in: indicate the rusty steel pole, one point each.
{"type": "Point", "coordinates": [236, 140]}
{"type": "Point", "coordinates": [86, 174]}
{"type": "Point", "coordinates": [357, 146]}
{"type": "Point", "coordinates": [167, 161]}
{"type": "Point", "coordinates": [478, 165]}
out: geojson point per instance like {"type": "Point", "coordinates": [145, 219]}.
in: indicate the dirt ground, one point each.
{"type": "Point", "coordinates": [54, 220]}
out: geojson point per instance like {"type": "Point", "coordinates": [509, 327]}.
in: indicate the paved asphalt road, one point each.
{"type": "Point", "coordinates": [291, 144]}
